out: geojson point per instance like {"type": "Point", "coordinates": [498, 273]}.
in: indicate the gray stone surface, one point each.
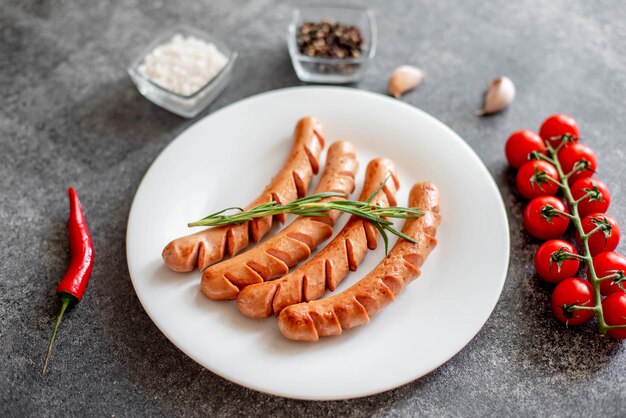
{"type": "Point", "coordinates": [69, 115]}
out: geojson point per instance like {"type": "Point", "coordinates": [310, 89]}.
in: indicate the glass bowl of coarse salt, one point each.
{"type": "Point", "coordinates": [183, 70]}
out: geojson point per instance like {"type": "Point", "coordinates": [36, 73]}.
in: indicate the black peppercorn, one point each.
{"type": "Point", "coordinates": [329, 39]}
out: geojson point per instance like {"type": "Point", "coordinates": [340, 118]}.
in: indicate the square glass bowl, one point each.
{"type": "Point", "coordinates": [185, 106]}
{"type": "Point", "coordinates": [332, 70]}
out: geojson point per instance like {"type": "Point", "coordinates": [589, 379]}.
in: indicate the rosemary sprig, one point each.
{"type": "Point", "coordinates": [316, 205]}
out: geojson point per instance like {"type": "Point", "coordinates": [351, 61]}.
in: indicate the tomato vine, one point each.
{"type": "Point", "coordinates": [551, 156]}
{"type": "Point", "coordinates": [556, 161]}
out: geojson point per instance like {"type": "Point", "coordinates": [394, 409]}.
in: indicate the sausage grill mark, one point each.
{"type": "Point", "coordinates": [355, 306]}
{"type": "Point", "coordinates": [333, 263]}
{"type": "Point", "coordinates": [204, 248]}
{"type": "Point", "coordinates": [274, 257]}
{"type": "Point", "coordinates": [314, 156]}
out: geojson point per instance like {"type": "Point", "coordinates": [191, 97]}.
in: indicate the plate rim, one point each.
{"type": "Point", "coordinates": [492, 184]}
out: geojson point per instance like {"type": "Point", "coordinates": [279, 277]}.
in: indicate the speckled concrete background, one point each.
{"type": "Point", "coordinates": [70, 115]}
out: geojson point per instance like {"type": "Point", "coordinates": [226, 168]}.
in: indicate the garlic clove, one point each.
{"type": "Point", "coordinates": [500, 94]}
{"type": "Point", "coordinates": [403, 79]}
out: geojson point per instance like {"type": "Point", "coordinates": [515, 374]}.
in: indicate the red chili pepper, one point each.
{"type": "Point", "coordinates": [72, 286]}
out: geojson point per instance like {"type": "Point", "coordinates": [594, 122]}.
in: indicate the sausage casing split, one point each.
{"type": "Point", "coordinates": [275, 256]}
{"type": "Point", "coordinates": [292, 181]}
{"type": "Point", "coordinates": [333, 263]}
{"type": "Point", "coordinates": [354, 306]}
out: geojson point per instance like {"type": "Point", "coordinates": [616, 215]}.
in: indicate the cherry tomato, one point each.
{"type": "Point", "coordinates": [556, 126]}
{"type": "Point", "coordinates": [540, 220]}
{"type": "Point", "coordinates": [573, 153]}
{"type": "Point", "coordinates": [605, 264]}
{"type": "Point", "coordinates": [520, 144]}
{"type": "Point", "coordinates": [614, 312]}
{"type": "Point", "coordinates": [598, 202]}
{"type": "Point", "coordinates": [569, 292]}
{"type": "Point", "coordinates": [551, 261]}
{"type": "Point", "coordinates": [532, 179]}
{"type": "Point", "coordinates": [605, 239]}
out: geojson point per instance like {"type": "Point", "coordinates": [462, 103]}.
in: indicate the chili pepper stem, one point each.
{"type": "Point", "coordinates": [66, 299]}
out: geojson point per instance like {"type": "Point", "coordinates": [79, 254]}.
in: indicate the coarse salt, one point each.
{"type": "Point", "coordinates": [183, 65]}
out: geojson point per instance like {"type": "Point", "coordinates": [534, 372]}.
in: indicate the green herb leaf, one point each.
{"type": "Point", "coordinates": [318, 205]}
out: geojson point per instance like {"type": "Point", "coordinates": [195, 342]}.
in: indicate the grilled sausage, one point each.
{"type": "Point", "coordinates": [211, 245]}
{"type": "Point", "coordinates": [354, 306]}
{"type": "Point", "coordinates": [275, 256]}
{"type": "Point", "coordinates": [332, 264]}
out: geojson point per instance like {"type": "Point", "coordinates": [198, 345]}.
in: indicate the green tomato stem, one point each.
{"type": "Point", "coordinates": [583, 197]}
{"type": "Point", "coordinates": [610, 277]}
{"type": "Point", "coordinates": [593, 231]}
{"type": "Point", "coordinates": [558, 183]}
{"type": "Point", "coordinates": [584, 238]}
{"type": "Point", "coordinates": [583, 308]}
{"type": "Point", "coordinates": [567, 215]}
{"type": "Point", "coordinates": [544, 158]}
{"type": "Point", "coordinates": [577, 256]}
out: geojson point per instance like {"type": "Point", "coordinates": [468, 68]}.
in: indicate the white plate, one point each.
{"type": "Point", "coordinates": [227, 158]}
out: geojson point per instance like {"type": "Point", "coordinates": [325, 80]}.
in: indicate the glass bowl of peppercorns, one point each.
{"type": "Point", "coordinates": [331, 45]}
